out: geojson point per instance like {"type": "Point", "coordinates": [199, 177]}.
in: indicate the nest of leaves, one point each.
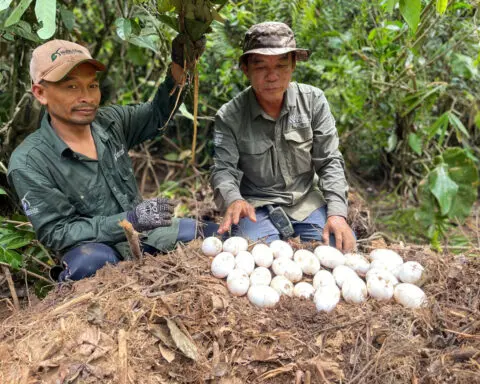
{"type": "Point", "coordinates": [165, 319]}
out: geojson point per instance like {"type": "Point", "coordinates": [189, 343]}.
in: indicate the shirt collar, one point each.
{"type": "Point", "coordinates": [289, 102]}
{"type": "Point", "coordinates": [52, 138]}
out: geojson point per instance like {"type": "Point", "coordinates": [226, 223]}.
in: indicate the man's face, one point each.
{"type": "Point", "coordinates": [269, 75]}
{"type": "Point", "coordinates": [74, 100]}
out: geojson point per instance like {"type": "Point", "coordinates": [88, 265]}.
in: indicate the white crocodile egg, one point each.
{"type": "Point", "coordinates": [260, 276]}
{"type": "Point", "coordinates": [410, 272]}
{"type": "Point", "coordinates": [303, 289]}
{"type": "Point", "coordinates": [223, 264]}
{"type": "Point", "coordinates": [391, 267]}
{"type": "Point", "coordinates": [284, 266]}
{"type": "Point", "coordinates": [323, 278]}
{"type": "Point", "coordinates": [281, 248]}
{"type": "Point", "coordinates": [326, 298]}
{"type": "Point", "coordinates": [263, 255]}
{"type": "Point", "coordinates": [384, 273]}
{"type": "Point", "coordinates": [211, 246]}
{"type": "Point", "coordinates": [282, 285]}
{"type": "Point", "coordinates": [307, 261]}
{"type": "Point", "coordinates": [379, 288]}
{"type": "Point", "coordinates": [357, 262]}
{"type": "Point", "coordinates": [263, 296]}
{"type": "Point", "coordinates": [329, 257]}
{"type": "Point", "coordinates": [238, 282]}
{"type": "Point", "coordinates": [342, 273]}
{"type": "Point", "coordinates": [409, 295]}
{"type": "Point", "coordinates": [244, 260]}
{"type": "Point", "coordinates": [354, 291]}
{"type": "Point", "coordinates": [235, 244]}
{"type": "Point", "coordinates": [387, 256]}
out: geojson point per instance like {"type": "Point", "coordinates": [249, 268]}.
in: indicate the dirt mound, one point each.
{"type": "Point", "coordinates": [167, 320]}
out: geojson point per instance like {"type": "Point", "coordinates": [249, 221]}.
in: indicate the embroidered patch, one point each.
{"type": "Point", "coordinates": [119, 153]}
{"type": "Point", "coordinates": [29, 210]}
{"type": "Point", "coordinates": [217, 138]}
{"type": "Point", "coordinates": [299, 120]}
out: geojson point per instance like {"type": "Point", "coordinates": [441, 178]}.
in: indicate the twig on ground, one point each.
{"type": "Point", "coordinates": [11, 286]}
{"type": "Point", "coordinates": [132, 238]}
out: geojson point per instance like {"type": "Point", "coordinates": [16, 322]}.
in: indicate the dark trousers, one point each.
{"type": "Point", "coordinates": [85, 259]}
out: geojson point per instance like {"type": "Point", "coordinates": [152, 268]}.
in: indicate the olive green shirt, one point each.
{"type": "Point", "coordinates": [292, 161]}
{"type": "Point", "coordinates": [72, 199]}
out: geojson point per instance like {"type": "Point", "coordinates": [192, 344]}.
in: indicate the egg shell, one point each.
{"type": "Point", "coordinates": [260, 276]}
{"type": "Point", "coordinates": [244, 260]}
{"type": "Point", "coordinates": [329, 257]}
{"type": "Point", "coordinates": [223, 264]}
{"type": "Point", "coordinates": [263, 255]}
{"type": "Point", "coordinates": [341, 273]}
{"type": "Point", "coordinates": [380, 288]}
{"type": "Point", "coordinates": [235, 244]}
{"type": "Point", "coordinates": [326, 298]}
{"type": "Point", "coordinates": [409, 295]}
{"type": "Point", "coordinates": [238, 282]}
{"type": "Point", "coordinates": [391, 267]}
{"type": "Point", "coordinates": [307, 261]}
{"type": "Point", "coordinates": [282, 285]}
{"type": "Point", "coordinates": [212, 246]}
{"type": "Point", "coordinates": [263, 296]}
{"type": "Point", "coordinates": [323, 278]}
{"type": "Point", "coordinates": [304, 290]}
{"type": "Point", "coordinates": [354, 291]}
{"type": "Point", "coordinates": [281, 248]}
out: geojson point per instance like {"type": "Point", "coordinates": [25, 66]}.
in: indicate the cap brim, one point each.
{"type": "Point", "coordinates": [300, 53]}
{"type": "Point", "coordinates": [60, 72]}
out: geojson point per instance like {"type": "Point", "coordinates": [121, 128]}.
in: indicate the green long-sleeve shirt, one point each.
{"type": "Point", "coordinates": [292, 161]}
{"type": "Point", "coordinates": [70, 198]}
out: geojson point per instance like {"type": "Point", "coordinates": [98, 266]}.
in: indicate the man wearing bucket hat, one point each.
{"type": "Point", "coordinates": [277, 168]}
{"type": "Point", "coordinates": [73, 175]}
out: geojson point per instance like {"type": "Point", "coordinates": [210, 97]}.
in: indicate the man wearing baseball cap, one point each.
{"type": "Point", "coordinates": [73, 175]}
{"type": "Point", "coordinates": [277, 168]}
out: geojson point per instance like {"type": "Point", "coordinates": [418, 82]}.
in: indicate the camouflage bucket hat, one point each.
{"type": "Point", "coordinates": [272, 38]}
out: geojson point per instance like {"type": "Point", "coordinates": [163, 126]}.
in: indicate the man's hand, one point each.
{"type": "Point", "coordinates": [151, 214]}
{"type": "Point", "coordinates": [344, 239]}
{"type": "Point", "coordinates": [185, 51]}
{"type": "Point", "coordinates": [237, 210]}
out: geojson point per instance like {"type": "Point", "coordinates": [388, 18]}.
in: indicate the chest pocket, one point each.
{"type": "Point", "coordinates": [299, 142]}
{"type": "Point", "coordinates": [257, 161]}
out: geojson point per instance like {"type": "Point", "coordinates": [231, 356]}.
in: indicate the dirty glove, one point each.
{"type": "Point", "coordinates": [184, 48]}
{"type": "Point", "coordinates": [151, 213]}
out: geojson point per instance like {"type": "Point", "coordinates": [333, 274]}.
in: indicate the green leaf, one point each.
{"type": "Point", "coordinates": [458, 125]}
{"type": "Point", "coordinates": [46, 11]}
{"type": "Point", "coordinates": [2, 191]}
{"type": "Point", "coordinates": [14, 259]}
{"type": "Point", "coordinates": [389, 5]}
{"type": "Point", "coordinates": [17, 13]}
{"type": "Point", "coordinates": [442, 6]}
{"type": "Point", "coordinates": [4, 4]}
{"type": "Point", "coordinates": [410, 10]}
{"type": "Point", "coordinates": [170, 21]}
{"type": "Point", "coordinates": [124, 28]}
{"type": "Point", "coordinates": [183, 110]}
{"type": "Point", "coordinates": [477, 120]}
{"type": "Point", "coordinates": [19, 243]}
{"type": "Point", "coordinates": [149, 42]}
{"type": "Point", "coordinates": [68, 18]}
{"type": "Point", "coordinates": [439, 125]}
{"type": "Point", "coordinates": [23, 29]}
{"type": "Point", "coordinates": [415, 143]}
{"type": "Point", "coordinates": [443, 188]}
{"type": "Point", "coordinates": [172, 156]}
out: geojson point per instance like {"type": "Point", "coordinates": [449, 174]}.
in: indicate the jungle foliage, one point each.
{"type": "Point", "coordinates": [401, 76]}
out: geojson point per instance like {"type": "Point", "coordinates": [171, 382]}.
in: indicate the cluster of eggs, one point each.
{"type": "Point", "coordinates": [269, 271]}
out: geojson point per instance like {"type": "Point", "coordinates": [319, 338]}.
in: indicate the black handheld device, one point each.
{"type": "Point", "coordinates": [280, 220]}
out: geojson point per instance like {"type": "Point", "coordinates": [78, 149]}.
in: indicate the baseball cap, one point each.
{"type": "Point", "coordinates": [53, 60]}
{"type": "Point", "coordinates": [272, 38]}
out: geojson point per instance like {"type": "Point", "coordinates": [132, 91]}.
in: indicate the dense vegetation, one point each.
{"type": "Point", "coordinates": [401, 77]}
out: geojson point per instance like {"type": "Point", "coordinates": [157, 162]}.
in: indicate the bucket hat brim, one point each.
{"type": "Point", "coordinates": [300, 53]}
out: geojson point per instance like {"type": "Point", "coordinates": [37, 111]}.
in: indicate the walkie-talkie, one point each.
{"type": "Point", "coordinates": [280, 220]}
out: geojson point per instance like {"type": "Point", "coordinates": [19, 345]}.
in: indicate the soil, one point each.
{"type": "Point", "coordinates": [165, 319]}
